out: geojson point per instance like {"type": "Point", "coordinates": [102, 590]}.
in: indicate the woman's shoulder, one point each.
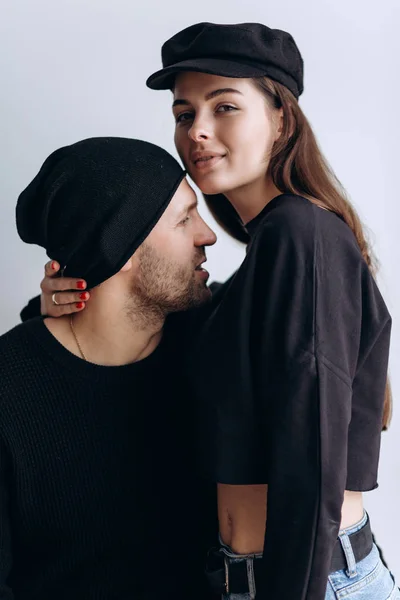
{"type": "Point", "coordinates": [292, 209]}
{"type": "Point", "coordinates": [298, 219]}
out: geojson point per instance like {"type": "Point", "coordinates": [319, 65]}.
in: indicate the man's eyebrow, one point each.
{"type": "Point", "coordinates": [187, 208]}
{"type": "Point", "coordinates": [209, 96]}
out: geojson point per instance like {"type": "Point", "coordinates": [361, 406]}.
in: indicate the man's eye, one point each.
{"type": "Point", "coordinates": [183, 117]}
{"type": "Point", "coordinates": [184, 221]}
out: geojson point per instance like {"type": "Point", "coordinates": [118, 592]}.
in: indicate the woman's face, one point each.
{"type": "Point", "coordinates": [224, 131]}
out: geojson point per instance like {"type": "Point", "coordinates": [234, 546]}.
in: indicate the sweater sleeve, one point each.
{"type": "Point", "coordinates": [303, 401]}
{"type": "Point", "coordinates": [5, 534]}
{"type": "Point", "coordinates": [31, 310]}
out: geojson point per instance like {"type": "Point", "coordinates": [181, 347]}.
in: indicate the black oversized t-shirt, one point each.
{"type": "Point", "coordinates": [100, 498]}
{"type": "Point", "coordinates": [295, 356]}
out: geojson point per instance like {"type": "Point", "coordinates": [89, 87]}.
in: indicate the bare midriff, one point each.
{"type": "Point", "coordinates": [242, 513]}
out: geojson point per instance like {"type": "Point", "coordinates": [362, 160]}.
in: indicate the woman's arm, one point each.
{"type": "Point", "coordinates": [323, 331]}
{"type": "Point", "coordinates": [304, 405]}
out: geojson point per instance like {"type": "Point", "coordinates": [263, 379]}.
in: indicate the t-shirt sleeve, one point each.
{"type": "Point", "coordinates": [5, 534]}
{"type": "Point", "coordinates": [303, 401]}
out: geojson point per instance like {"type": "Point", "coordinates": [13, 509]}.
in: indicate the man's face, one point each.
{"type": "Point", "coordinates": [169, 271]}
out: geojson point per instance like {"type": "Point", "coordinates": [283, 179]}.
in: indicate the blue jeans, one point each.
{"type": "Point", "coordinates": [368, 579]}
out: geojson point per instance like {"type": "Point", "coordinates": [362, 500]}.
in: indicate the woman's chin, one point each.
{"type": "Point", "coordinates": [210, 191]}
{"type": "Point", "coordinates": [210, 187]}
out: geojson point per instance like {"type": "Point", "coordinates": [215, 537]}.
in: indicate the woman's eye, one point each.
{"type": "Point", "coordinates": [183, 117]}
{"type": "Point", "coordinates": [184, 221]}
{"type": "Point", "coordinates": [226, 108]}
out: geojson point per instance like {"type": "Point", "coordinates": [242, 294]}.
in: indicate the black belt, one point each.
{"type": "Point", "coordinates": [224, 576]}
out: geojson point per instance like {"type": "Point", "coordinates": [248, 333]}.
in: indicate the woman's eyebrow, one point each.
{"type": "Point", "coordinates": [209, 96]}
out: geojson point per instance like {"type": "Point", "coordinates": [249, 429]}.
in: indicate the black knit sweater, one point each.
{"type": "Point", "coordinates": [99, 496]}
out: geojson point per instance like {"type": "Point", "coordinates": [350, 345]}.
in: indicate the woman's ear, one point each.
{"type": "Point", "coordinates": [279, 123]}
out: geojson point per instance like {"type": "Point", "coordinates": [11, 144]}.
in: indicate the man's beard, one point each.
{"type": "Point", "coordinates": [166, 286]}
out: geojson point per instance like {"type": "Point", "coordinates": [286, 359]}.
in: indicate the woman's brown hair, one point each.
{"type": "Point", "coordinates": [297, 166]}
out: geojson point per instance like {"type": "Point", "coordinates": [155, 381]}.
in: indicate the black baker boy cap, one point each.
{"type": "Point", "coordinates": [242, 50]}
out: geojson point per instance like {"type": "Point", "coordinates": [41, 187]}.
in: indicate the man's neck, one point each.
{"type": "Point", "coordinates": [109, 333]}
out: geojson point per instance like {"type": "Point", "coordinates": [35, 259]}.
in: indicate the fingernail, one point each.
{"type": "Point", "coordinates": [53, 265]}
{"type": "Point", "coordinates": [80, 305]}
{"type": "Point", "coordinates": [80, 285]}
{"type": "Point", "coordinates": [84, 296]}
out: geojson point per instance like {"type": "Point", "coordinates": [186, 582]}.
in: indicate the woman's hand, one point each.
{"type": "Point", "coordinates": [69, 294]}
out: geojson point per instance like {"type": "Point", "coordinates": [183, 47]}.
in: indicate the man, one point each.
{"type": "Point", "coordinates": [99, 495]}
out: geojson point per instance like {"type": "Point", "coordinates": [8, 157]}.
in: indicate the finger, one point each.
{"type": "Point", "coordinates": [70, 297]}
{"type": "Point", "coordinates": [49, 285]}
{"type": "Point", "coordinates": [51, 268]}
{"type": "Point", "coordinates": [65, 309]}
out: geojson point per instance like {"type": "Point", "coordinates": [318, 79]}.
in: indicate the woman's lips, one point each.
{"type": "Point", "coordinates": [206, 163]}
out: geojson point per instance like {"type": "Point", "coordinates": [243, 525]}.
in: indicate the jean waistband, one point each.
{"type": "Point", "coordinates": [353, 544]}
{"type": "Point", "coordinates": [356, 527]}
{"type": "Point", "coordinates": [348, 531]}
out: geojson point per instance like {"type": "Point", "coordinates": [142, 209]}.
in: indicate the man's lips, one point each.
{"type": "Point", "coordinates": [199, 266]}
{"type": "Point", "coordinates": [202, 272]}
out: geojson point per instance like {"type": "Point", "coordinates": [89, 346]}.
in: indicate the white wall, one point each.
{"type": "Point", "coordinates": [71, 69]}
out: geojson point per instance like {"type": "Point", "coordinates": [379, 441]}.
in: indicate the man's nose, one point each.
{"type": "Point", "coordinates": [205, 236]}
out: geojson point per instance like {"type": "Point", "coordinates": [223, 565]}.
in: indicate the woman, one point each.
{"type": "Point", "coordinates": [296, 349]}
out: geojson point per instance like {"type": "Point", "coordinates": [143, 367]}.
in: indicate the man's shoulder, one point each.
{"type": "Point", "coordinates": [17, 347]}
{"type": "Point", "coordinates": [19, 334]}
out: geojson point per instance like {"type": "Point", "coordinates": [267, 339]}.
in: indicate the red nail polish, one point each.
{"type": "Point", "coordinates": [80, 305]}
{"type": "Point", "coordinates": [84, 296]}
{"type": "Point", "coordinates": [53, 265]}
{"type": "Point", "coordinates": [80, 285]}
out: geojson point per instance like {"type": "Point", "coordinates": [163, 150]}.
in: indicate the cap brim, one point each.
{"type": "Point", "coordinates": [164, 79]}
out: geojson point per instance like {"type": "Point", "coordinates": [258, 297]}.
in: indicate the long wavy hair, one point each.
{"type": "Point", "coordinates": [297, 166]}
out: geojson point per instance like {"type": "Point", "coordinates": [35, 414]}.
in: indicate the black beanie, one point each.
{"type": "Point", "coordinates": [93, 203]}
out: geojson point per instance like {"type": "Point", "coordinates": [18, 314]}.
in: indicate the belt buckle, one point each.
{"type": "Point", "coordinates": [226, 567]}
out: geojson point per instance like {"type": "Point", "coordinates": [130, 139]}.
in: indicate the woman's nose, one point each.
{"type": "Point", "coordinates": [200, 130]}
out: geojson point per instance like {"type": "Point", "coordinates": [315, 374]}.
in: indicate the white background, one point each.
{"type": "Point", "coordinates": [71, 69]}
